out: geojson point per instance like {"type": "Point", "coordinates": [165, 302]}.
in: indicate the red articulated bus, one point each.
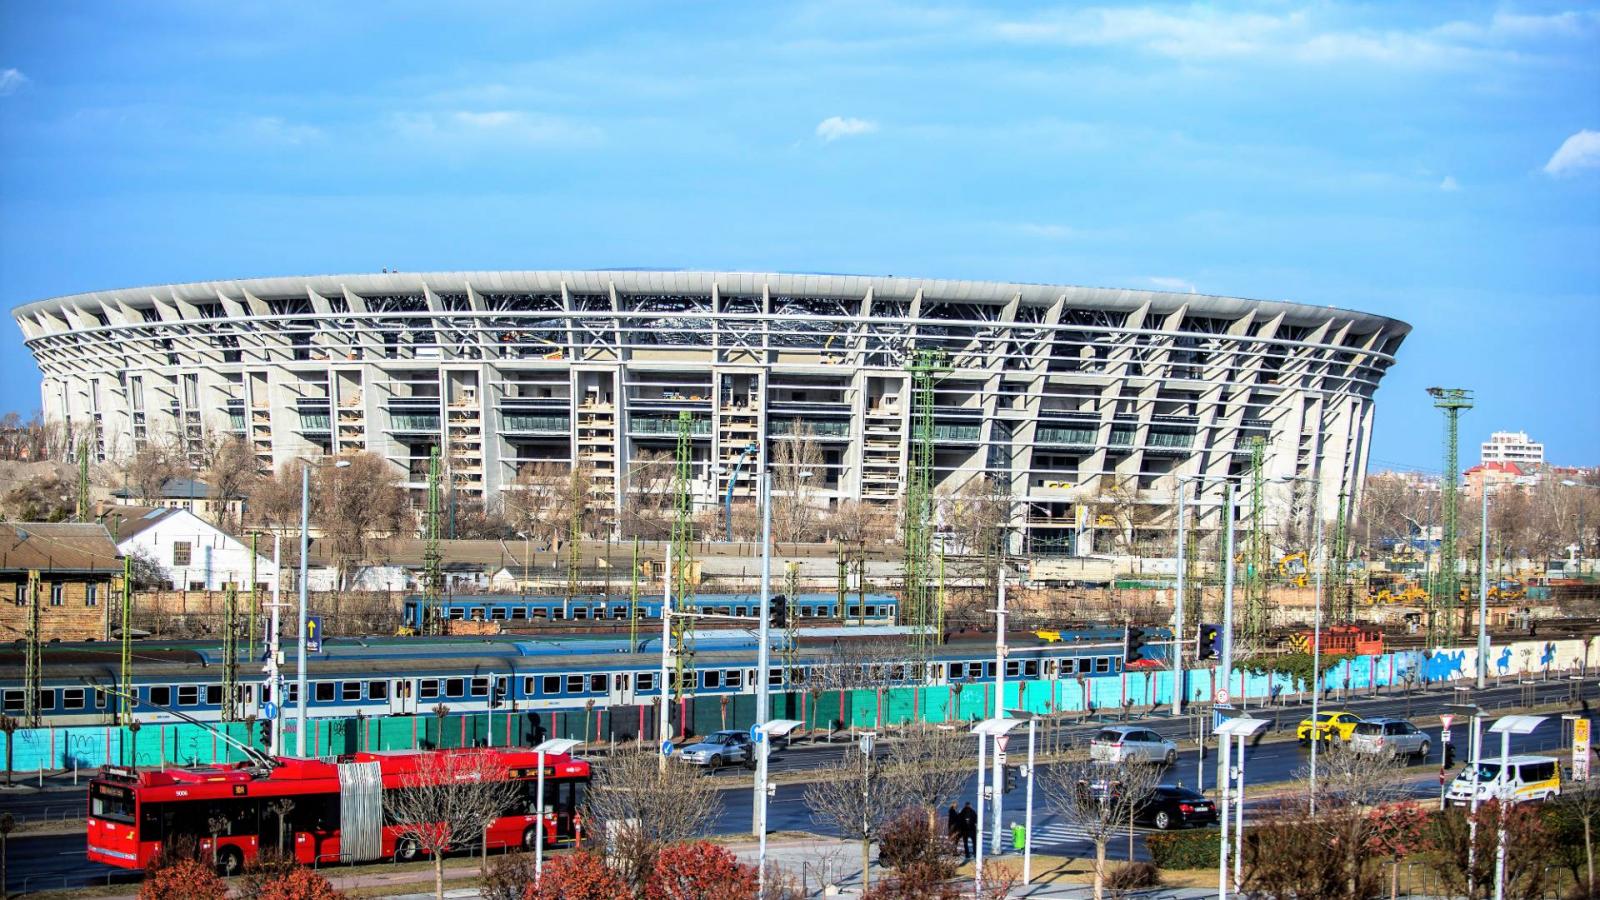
{"type": "Point", "coordinates": [132, 815]}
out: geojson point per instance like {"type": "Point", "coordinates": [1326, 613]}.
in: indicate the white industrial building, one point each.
{"type": "Point", "coordinates": [194, 554]}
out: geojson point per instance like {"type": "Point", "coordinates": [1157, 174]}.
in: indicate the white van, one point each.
{"type": "Point", "coordinates": [1524, 778]}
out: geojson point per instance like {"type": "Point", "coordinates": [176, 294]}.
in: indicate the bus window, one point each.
{"type": "Point", "coordinates": [112, 803]}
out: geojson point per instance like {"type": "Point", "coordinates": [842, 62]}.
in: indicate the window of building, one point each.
{"type": "Point", "coordinates": [91, 594]}
{"type": "Point", "coordinates": [22, 595]}
{"type": "Point", "coordinates": [57, 594]}
{"type": "Point", "coordinates": [181, 551]}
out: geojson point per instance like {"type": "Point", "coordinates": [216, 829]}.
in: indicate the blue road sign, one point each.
{"type": "Point", "coordinates": [313, 634]}
{"type": "Point", "coordinates": [756, 735]}
{"type": "Point", "coordinates": [666, 748]}
{"type": "Point", "coordinates": [270, 710]}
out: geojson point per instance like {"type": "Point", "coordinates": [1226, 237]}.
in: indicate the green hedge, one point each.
{"type": "Point", "coordinates": [1185, 849]}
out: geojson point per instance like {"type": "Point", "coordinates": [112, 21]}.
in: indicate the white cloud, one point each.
{"type": "Point", "coordinates": [275, 130]}
{"type": "Point", "coordinates": [835, 127]}
{"type": "Point", "coordinates": [499, 126]}
{"type": "Point", "coordinates": [1449, 184]}
{"type": "Point", "coordinates": [11, 81]}
{"type": "Point", "coordinates": [1171, 284]}
{"type": "Point", "coordinates": [1576, 153]}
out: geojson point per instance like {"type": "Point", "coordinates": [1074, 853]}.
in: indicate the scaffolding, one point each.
{"type": "Point", "coordinates": [920, 597]}
{"type": "Point", "coordinates": [33, 652]}
{"type": "Point", "coordinates": [1444, 603]}
{"type": "Point", "coordinates": [683, 559]}
{"type": "Point", "coordinates": [432, 560]}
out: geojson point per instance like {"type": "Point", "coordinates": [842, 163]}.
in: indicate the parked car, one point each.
{"type": "Point", "coordinates": [1130, 743]}
{"type": "Point", "coordinates": [1524, 778]}
{"type": "Point", "coordinates": [1173, 806]}
{"type": "Point", "coordinates": [1329, 725]}
{"type": "Point", "coordinates": [721, 748]}
{"type": "Point", "coordinates": [1391, 737]}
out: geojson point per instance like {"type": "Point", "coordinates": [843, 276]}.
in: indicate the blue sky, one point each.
{"type": "Point", "coordinates": [1437, 162]}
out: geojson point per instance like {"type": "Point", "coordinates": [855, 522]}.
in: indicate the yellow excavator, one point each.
{"type": "Point", "coordinates": [1390, 588]}
{"type": "Point", "coordinates": [1293, 568]}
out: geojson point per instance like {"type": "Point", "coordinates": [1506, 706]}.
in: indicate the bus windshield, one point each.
{"type": "Point", "coordinates": [111, 803]}
{"type": "Point", "coordinates": [1487, 771]}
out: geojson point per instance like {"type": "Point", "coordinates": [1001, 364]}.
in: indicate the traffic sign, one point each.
{"type": "Point", "coordinates": [1000, 744]}
{"type": "Point", "coordinates": [269, 710]}
{"type": "Point", "coordinates": [1222, 697]}
{"type": "Point", "coordinates": [1444, 725]}
{"type": "Point", "coordinates": [666, 748]}
{"type": "Point", "coordinates": [313, 634]}
{"type": "Point", "coordinates": [756, 734]}
{"type": "Point", "coordinates": [1580, 749]}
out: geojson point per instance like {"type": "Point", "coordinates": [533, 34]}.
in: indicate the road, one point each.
{"type": "Point", "coordinates": [58, 860]}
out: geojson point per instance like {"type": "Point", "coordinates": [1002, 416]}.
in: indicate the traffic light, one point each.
{"type": "Point", "coordinates": [497, 697]}
{"type": "Point", "coordinates": [266, 734]}
{"type": "Point", "coordinates": [1133, 647]}
{"type": "Point", "coordinates": [1207, 642]}
{"type": "Point", "coordinates": [1449, 755]}
{"type": "Point", "coordinates": [1010, 780]}
{"type": "Point", "coordinates": [780, 611]}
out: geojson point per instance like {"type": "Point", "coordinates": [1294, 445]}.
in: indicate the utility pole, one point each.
{"type": "Point", "coordinates": [274, 681]}
{"type": "Point", "coordinates": [1177, 609]}
{"type": "Point", "coordinates": [1446, 600]}
{"type": "Point", "coordinates": [763, 666]}
{"type": "Point", "coordinates": [230, 653]}
{"type": "Point", "coordinates": [33, 652]}
{"type": "Point", "coordinates": [925, 366]}
{"type": "Point", "coordinates": [300, 699]}
{"type": "Point", "coordinates": [83, 481]}
{"type": "Point", "coordinates": [433, 569]}
{"type": "Point", "coordinates": [125, 671]}
{"type": "Point", "coordinates": [576, 495]}
{"type": "Point", "coordinates": [1257, 608]}
{"type": "Point", "coordinates": [681, 568]}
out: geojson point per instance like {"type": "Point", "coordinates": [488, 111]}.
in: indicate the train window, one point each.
{"type": "Point", "coordinates": [574, 684]}
{"type": "Point", "coordinates": [100, 699]}
{"type": "Point", "coordinates": [497, 613]}
{"type": "Point", "coordinates": [538, 612]}
{"type": "Point", "coordinates": [72, 698]}
{"type": "Point", "coordinates": [597, 684]}
{"type": "Point", "coordinates": [898, 673]}
{"type": "Point", "coordinates": [160, 696]}
{"type": "Point", "coordinates": [711, 679]}
{"type": "Point", "coordinates": [646, 681]}
{"type": "Point", "coordinates": [480, 687]}
{"type": "Point", "coordinates": [558, 613]}
{"type": "Point", "coordinates": [350, 690]}
{"type": "Point", "coordinates": [47, 699]}
{"type": "Point", "coordinates": [188, 695]}
{"type": "Point", "coordinates": [621, 681]}
{"type": "Point", "coordinates": [580, 612]}
{"type": "Point", "coordinates": [519, 613]}
{"type": "Point", "coordinates": [455, 687]}
{"type": "Point", "coordinates": [1013, 668]}
{"type": "Point", "coordinates": [958, 670]}
{"type": "Point", "coordinates": [213, 695]}
{"type": "Point", "coordinates": [551, 686]}
{"type": "Point", "coordinates": [428, 689]}
{"type": "Point", "coordinates": [1102, 664]}
{"type": "Point", "coordinates": [457, 612]}
{"type": "Point", "coordinates": [13, 701]}
{"type": "Point", "coordinates": [641, 612]}
{"type": "Point", "coordinates": [854, 610]}
{"type": "Point", "coordinates": [324, 692]}
{"type": "Point", "coordinates": [527, 685]}
{"type": "Point", "coordinates": [871, 610]}
{"type": "Point", "coordinates": [377, 690]}
{"type": "Point", "coordinates": [732, 678]}
{"type": "Point", "coordinates": [774, 677]}
{"type": "Point", "coordinates": [1030, 668]}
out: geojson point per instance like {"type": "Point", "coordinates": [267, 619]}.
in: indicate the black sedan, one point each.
{"type": "Point", "coordinates": [1176, 807]}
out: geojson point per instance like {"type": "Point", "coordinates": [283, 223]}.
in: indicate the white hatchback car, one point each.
{"type": "Point", "coordinates": [1131, 743]}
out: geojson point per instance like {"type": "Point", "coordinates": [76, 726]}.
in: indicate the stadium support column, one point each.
{"type": "Point", "coordinates": [1445, 600]}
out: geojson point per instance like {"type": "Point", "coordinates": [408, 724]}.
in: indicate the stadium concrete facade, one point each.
{"type": "Point", "coordinates": [1078, 402]}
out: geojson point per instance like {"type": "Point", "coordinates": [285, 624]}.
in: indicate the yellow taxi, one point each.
{"type": "Point", "coordinates": [1329, 725]}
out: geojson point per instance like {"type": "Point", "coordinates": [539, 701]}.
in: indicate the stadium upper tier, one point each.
{"type": "Point", "coordinates": [1084, 404]}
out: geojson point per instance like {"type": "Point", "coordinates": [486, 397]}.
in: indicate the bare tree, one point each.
{"type": "Point", "coordinates": [230, 473]}
{"type": "Point", "coordinates": [1099, 800]}
{"type": "Point", "coordinates": [1123, 507]}
{"type": "Point", "coordinates": [636, 807]}
{"type": "Point", "coordinates": [853, 796]}
{"type": "Point", "coordinates": [275, 500]}
{"type": "Point", "coordinates": [448, 801]}
{"type": "Point", "coordinates": [1581, 800]}
{"type": "Point", "coordinates": [358, 503]}
{"type": "Point", "coordinates": [474, 519]}
{"type": "Point", "coordinates": [928, 766]}
{"type": "Point", "coordinates": [796, 469]}
{"type": "Point", "coordinates": [978, 514]}
{"type": "Point", "coordinates": [647, 508]}
{"type": "Point", "coordinates": [544, 498]}
{"type": "Point", "coordinates": [151, 467]}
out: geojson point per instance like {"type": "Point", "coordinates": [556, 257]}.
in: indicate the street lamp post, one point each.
{"type": "Point", "coordinates": [733, 479]}
{"type": "Point", "coordinates": [1242, 728]}
{"type": "Point", "coordinates": [1483, 590]}
{"type": "Point", "coordinates": [1316, 661]}
{"type": "Point", "coordinates": [1506, 727]}
{"type": "Point", "coordinates": [554, 745]}
{"type": "Point", "coordinates": [1177, 609]}
{"type": "Point", "coordinates": [300, 640]}
{"type": "Point", "coordinates": [1027, 814]}
{"type": "Point", "coordinates": [985, 730]}
{"type": "Point", "coordinates": [998, 763]}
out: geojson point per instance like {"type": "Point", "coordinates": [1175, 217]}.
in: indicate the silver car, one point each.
{"type": "Point", "coordinates": [1131, 743]}
{"type": "Point", "coordinates": [721, 748]}
{"type": "Point", "coordinates": [1389, 737]}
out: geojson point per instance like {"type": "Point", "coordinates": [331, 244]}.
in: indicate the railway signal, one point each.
{"type": "Point", "coordinates": [1207, 642]}
{"type": "Point", "coordinates": [780, 611]}
{"type": "Point", "coordinates": [1133, 646]}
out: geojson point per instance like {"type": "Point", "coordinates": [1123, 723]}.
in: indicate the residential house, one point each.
{"type": "Point", "coordinates": [185, 493]}
{"type": "Point", "coordinates": [70, 570]}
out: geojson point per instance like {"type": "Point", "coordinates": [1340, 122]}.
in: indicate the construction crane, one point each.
{"type": "Point", "coordinates": [683, 561]}
{"type": "Point", "coordinates": [1443, 602]}
{"type": "Point", "coordinates": [432, 560]}
{"type": "Point", "coordinates": [919, 598]}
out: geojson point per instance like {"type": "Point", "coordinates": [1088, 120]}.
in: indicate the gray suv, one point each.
{"type": "Point", "coordinates": [1389, 737]}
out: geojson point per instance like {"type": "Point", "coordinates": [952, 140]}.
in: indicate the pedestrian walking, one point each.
{"type": "Point", "coordinates": [969, 830]}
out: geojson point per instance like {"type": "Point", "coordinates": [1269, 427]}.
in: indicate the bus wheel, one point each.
{"type": "Point", "coordinates": [406, 850]}
{"type": "Point", "coordinates": [230, 861]}
{"type": "Point", "coordinates": [530, 837]}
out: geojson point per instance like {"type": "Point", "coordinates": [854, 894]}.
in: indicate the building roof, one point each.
{"type": "Point", "coordinates": [1505, 468]}
{"type": "Point", "coordinates": [57, 547]}
{"type": "Point", "coordinates": [174, 489]}
{"type": "Point", "coordinates": [131, 521]}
